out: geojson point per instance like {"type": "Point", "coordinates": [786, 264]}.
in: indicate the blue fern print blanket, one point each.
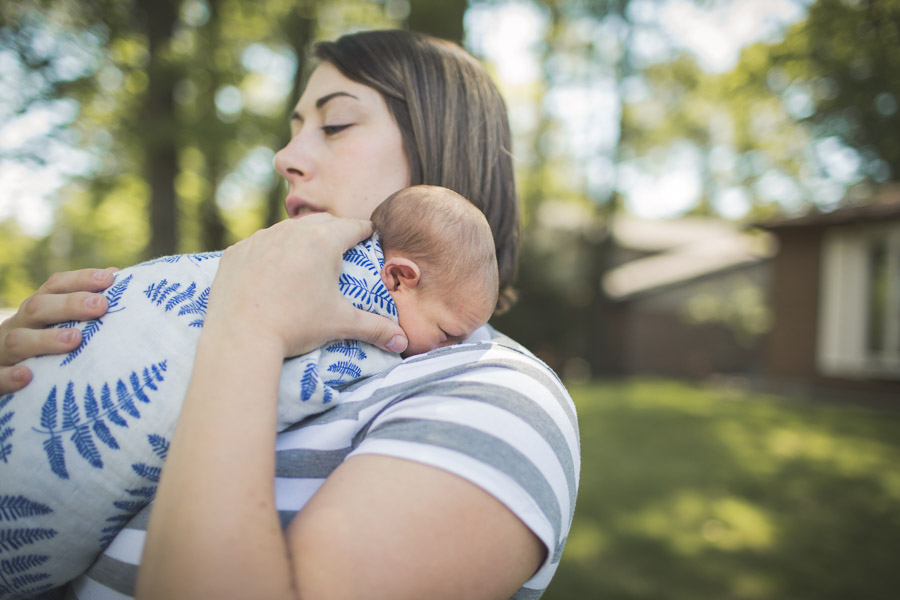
{"type": "Point", "coordinates": [81, 448]}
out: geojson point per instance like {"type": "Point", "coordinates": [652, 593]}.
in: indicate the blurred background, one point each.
{"type": "Point", "coordinates": [711, 240]}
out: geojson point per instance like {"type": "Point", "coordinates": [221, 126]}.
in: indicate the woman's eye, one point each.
{"type": "Point", "coordinates": [333, 129]}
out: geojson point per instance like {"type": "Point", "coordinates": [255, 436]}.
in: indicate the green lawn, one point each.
{"type": "Point", "coordinates": [694, 493]}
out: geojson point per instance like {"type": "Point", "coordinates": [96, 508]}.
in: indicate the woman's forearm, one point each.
{"type": "Point", "coordinates": [214, 530]}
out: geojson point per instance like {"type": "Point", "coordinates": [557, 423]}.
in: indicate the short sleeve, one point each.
{"type": "Point", "coordinates": [501, 420]}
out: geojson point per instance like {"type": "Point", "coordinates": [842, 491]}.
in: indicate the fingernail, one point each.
{"type": "Point", "coordinates": [397, 344]}
{"type": "Point", "coordinates": [66, 336]}
{"type": "Point", "coordinates": [92, 301]}
{"type": "Point", "coordinates": [19, 374]}
{"type": "Point", "coordinates": [102, 275]}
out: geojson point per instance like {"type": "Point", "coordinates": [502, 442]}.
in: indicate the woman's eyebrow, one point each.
{"type": "Point", "coordinates": [322, 102]}
{"type": "Point", "coordinates": [328, 97]}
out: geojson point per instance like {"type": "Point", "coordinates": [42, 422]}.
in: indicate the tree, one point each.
{"type": "Point", "coordinates": [176, 107]}
{"type": "Point", "coordinates": [840, 68]}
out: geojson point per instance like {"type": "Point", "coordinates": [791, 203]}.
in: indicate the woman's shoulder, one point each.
{"type": "Point", "coordinates": [490, 412]}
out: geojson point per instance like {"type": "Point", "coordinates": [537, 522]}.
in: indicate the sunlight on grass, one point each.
{"type": "Point", "coordinates": [587, 542]}
{"type": "Point", "coordinates": [695, 492]}
{"type": "Point", "coordinates": [691, 522]}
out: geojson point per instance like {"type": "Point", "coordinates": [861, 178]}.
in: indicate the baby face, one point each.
{"type": "Point", "coordinates": [433, 320]}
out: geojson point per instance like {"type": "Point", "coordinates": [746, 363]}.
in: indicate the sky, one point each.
{"type": "Point", "coordinates": [505, 34]}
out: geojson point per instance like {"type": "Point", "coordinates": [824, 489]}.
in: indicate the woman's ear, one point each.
{"type": "Point", "coordinates": [399, 271]}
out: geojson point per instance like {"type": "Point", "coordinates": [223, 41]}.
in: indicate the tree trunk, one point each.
{"type": "Point", "coordinates": [298, 27]}
{"type": "Point", "coordinates": [157, 116]}
{"type": "Point", "coordinates": [212, 134]}
{"type": "Point", "coordinates": [440, 19]}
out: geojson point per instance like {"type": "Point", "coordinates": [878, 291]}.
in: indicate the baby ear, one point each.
{"type": "Point", "coordinates": [399, 271]}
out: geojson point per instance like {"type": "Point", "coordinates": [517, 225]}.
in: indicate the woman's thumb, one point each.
{"type": "Point", "coordinates": [379, 331]}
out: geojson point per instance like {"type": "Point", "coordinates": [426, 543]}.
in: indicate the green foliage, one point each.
{"type": "Point", "coordinates": [845, 56]}
{"type": "Point", "coordinates": [180, 105]}
{"type": "Point", "coordinates": [692, 492]}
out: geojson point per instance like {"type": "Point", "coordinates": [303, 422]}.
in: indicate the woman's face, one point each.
{"type": "Point", "coordinates": [346, 152]}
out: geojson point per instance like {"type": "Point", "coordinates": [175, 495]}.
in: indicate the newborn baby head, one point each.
{"type": "Point", "coordinates": [440, 265]}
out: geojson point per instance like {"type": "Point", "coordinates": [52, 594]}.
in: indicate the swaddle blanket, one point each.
{"type": "Point", "coordinates": [81, 448]}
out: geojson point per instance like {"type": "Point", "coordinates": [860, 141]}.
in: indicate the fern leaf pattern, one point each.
{"type": "Point", "coordinates": [309, 381]}
{"type": "Point", "coordinates": [20, 564]}
{"type": "Point", "coordinates": [357, 256]}
{"type": "Point", "coordinates": [196, 306]}
{"type": "Point", "coordinates": [382, 297]}
{"type": "Point", "coordinates": [29, 579]}
{"type": "Point", "coordinates": [349, 348]}
{"type": "Point", "coordinates": [85, 431]}
{"type": "Point", "coordinates": [56, 456]}
{"type": "Point", "coordinates": [6, 431]}
{"type": "Point", "coordinates": [345, 370]}
{"type": "Point", "coordinates": [109, 407]}
{"type": "Point", "coordinates": [159, 445]}
{"type": "Point", "coordinates": [14, 539]}
{"type": "Point", "coordinates": [355, 290]}
{"type": "Point", "coordinates": [13, 508]}
{"type": "Point", "coordinates": [186, 300]}
{"type": "Point", "coordinates": [147, 472]}
{"type": "Point", "coordinates": [162, 259]}
{"type": "Point", "coordinates": [157, 292]}
{"type": "Point", "coordinates": [105, 435]}
{"type": "Point", "coordinates": [200, 257]}
{"type": "Point", "coordinates": [182, 296]}
{"type": "Point", "coordinates": [113, 297]}
{"type": "Point", "coordinates": [83, 438]}
{"type": "Point", "coordinates": [195, 259]}
{"type": "Point", "coordinates": [70, 417]}
{"type": "Point", "coordinates": [17, 573]}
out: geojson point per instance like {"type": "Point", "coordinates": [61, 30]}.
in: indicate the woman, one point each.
{"type": "Point", "coordinates": [453, 475]}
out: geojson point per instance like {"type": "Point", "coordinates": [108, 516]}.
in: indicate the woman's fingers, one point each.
{"type": "Point", "coordinates": [48, 308]}
{"type": "Point", "coordinates": [67, 296]}
{"type": "Point", "coordinates": [376, 330]}
{"type": "Point", "coordinates": [83, 280]}
{"type": "Point", "coordinates": [21, 343]}
{"type": "Point", "coordinates": [13, 379]}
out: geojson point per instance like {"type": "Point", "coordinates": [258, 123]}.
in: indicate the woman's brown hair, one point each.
{"type": "Point", "coordinates": [452, 119]}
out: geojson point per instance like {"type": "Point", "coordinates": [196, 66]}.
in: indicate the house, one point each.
{"type": "Point", "coordinates": [681, 297]}
{"type": "Point", "coordinates": [836, 296]}
{"type": "Point", "coordinates": [687, 297]}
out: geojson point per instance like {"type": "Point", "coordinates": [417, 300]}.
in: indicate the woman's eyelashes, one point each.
{"type": "Point", "coordinates": [330, 130]}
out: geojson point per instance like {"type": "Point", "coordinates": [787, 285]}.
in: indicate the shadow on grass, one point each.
{"type": "Point", "coordinates": [693, 493]}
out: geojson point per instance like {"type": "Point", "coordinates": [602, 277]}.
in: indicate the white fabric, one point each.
{"type": "Point", "coordinates": [82, 446]}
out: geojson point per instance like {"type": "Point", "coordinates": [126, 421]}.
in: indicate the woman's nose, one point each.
{"type": "Point", "coordinates": [293, 161]}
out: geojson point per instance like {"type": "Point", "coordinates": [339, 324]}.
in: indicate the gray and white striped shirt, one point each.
{"type": "Point", "coordinates": [487, 411]}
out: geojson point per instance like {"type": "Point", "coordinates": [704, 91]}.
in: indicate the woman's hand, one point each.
{"type": "Point", "coordinates": [66, 296]}
{"type": "Point", "coordinates": [274, 295]}
{"type": "Point", "coordinates": [280, 284]}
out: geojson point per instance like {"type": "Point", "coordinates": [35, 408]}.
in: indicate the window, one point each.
{"type": "Point", "coordinates": [859, 319]}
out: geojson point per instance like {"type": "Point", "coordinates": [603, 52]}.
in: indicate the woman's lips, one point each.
{"type": "Point", "coordinates": [298, 207]}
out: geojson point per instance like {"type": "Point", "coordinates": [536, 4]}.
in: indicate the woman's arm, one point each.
{"type": "Point", "coordinates": [66, 296]}
{"type": "Point", "coordinates": [379, 527]}
{"type": "Point", "coordinates": [388, 528]}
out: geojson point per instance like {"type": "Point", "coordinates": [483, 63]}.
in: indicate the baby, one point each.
{"type": "Point", "coordinates": [81, 448]}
